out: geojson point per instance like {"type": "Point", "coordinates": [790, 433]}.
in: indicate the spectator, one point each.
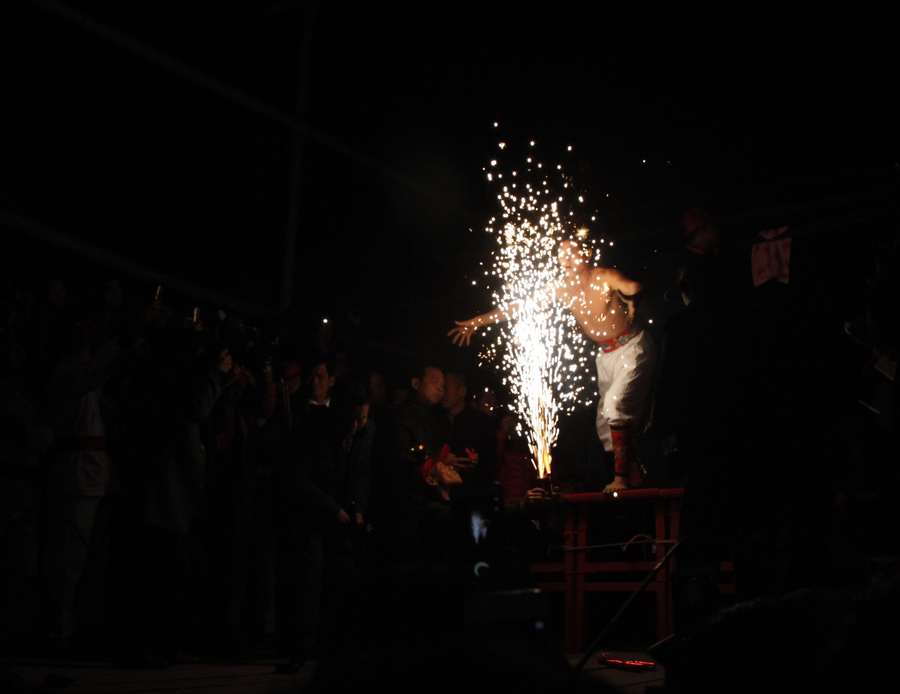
{"type": "Point", "coordinates": [412, 435]}
{"type": "Point", "coordinates": [79, 474]}
{"type": "Point", "coordinates": [469, 432]}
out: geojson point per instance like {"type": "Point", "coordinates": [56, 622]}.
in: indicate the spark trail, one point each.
{"type": "Point", "coordinates": [542, 351]}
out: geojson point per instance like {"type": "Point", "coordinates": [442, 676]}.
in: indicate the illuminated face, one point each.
{"type": "Point", "coordinates": [430, 387]}
{"type": "Point", "coordinates": [445, 475]}
{"type": "Point", "coordinates": [321, 384]}
{"type": "Point", "coordinates": [570, 255]}
{"type": "Point", "coordinates": [454, 393]}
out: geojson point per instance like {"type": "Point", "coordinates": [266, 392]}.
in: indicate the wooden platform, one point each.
{"type": "Point", "coordinates": [578, 573]}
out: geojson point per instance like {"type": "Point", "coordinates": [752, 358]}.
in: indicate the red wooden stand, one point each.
{"type": "Point", "coordinates": [580, 575]}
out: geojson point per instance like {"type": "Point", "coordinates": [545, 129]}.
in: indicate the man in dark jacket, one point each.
{"type": "Point", "coordinates": [413, 434]}
{"type": "Point", "coordinates": [470, 433]}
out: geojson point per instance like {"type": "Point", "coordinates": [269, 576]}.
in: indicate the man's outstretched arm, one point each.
{"type": "Point", "coordinates": [462, 333]}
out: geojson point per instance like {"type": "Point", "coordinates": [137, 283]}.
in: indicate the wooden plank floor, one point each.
{"type": "Point", "coordinates": [622, 680]}
{"type": "Point", "coordinates": [97, 677]}
{"type": "Point", "coordinates": [254, 677]}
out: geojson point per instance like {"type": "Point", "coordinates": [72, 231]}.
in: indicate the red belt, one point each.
{"type": "Point", "coordinates": [621, 339]}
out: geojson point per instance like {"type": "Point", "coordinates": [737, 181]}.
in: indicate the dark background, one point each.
{"type": "Point", "coordinates": [763, 116]}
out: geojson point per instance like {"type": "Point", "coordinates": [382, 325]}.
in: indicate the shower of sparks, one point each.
{"type": "Point", "coordinates": [542, 351]}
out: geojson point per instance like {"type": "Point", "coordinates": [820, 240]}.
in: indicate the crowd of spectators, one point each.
{"type": "Point", "coordinates": [178, 483]}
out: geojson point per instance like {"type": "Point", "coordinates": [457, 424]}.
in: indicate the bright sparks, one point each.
{"type": "Point", "coordinates": [541, 350]}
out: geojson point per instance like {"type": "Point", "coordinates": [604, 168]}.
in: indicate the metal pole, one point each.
{"type": "Point", "coordinates": [299, 145]}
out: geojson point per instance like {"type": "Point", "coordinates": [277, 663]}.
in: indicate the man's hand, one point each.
{"type": "Point", "coordinates": [538, 498]}
{"type": "Point", "coordinates": [462, 333]}
{"type": "Point", "coordinates": [461, 463]}
{"type": "Point", "coordinates": [343, 518]}
{"type": "Point", "coordinates": [359, 520]}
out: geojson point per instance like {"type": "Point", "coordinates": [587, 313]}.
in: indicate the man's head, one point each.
{"type": "Point", "coordinates": [352, 402]}
{"type": "Point", "coordinates": [440, 477]}
{"type": "Point", "coordinates": [700, 233]}
{"type": "Point", "coordinates": [290, 374]}
{"type": "Point", "coordinates": [429, 385]}
{"type": "Point", "coordinates": [572, 256]}
{"type": "Point", "coordinates": [377, 388]}
{"type": "Point", "coordinates": [454, 399]}
{"type": "Point", "coordinates": [360, 416]}
{"type": "Point", "coordinates": [320, 381]}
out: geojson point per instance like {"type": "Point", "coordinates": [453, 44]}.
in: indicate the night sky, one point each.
{"type": "Point", "coordinates": [761, 115]}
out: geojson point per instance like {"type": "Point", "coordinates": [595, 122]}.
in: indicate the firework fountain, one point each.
{"type": "Point", "coordinates": [541, 351]}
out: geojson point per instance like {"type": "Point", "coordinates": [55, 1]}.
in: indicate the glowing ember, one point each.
{"type": "Point", "coordinates": [542, 350]}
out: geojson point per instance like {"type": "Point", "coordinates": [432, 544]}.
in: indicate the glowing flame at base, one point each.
{"type": "Point", "coordinates": [534, 368]}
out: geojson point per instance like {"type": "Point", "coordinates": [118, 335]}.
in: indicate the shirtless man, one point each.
{"type": "Point", "coordinates": [602, 301]}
